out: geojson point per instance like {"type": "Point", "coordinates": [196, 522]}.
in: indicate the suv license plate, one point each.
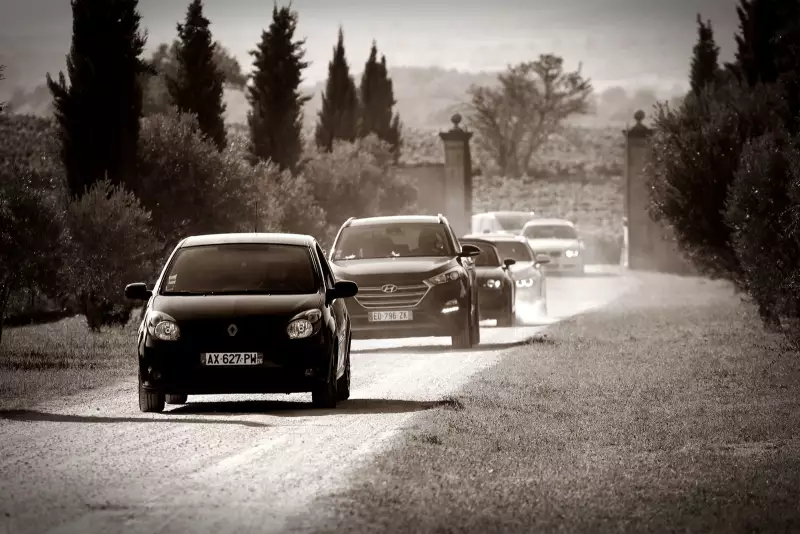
{"type": "Point", "coordinates": [390, 316]}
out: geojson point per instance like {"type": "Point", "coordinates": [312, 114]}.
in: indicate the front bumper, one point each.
{"type": "Point", "coordinates": [560, 263]}
{"type": "Point", "coordinates": [494, 303]}
{"type": "Point", "coordinates": [292, 367]}
{"type": "Point", "coordinates": [435, 311]}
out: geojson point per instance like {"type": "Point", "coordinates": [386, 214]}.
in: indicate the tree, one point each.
{"type": "Point", "coordinates": [2, 104]}
{"type": "Point", "coordinates": [705, 61]}
{"type": "Point", "coordinates": [98, 112]}
{"type": "Point", "coordinates": [760, 22]}
{"type": "Point", "coordinates": [196, 87]}
{"type": "Point", "coordinates": [276, 117]}
{"type": "Point", "coordinates": [532, 100]}
{"type": "Point", "coordinates": [338, 118]}
{"type": "Point", "coordinates": [377, 100]}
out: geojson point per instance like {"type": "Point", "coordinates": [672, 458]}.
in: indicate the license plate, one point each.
{"type": "Point", "coordinates": [232, 358]}
{"type": "Point", "coordinates": [389, 316]}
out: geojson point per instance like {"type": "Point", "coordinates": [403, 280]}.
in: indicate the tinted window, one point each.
{"type": "Point", "coordinates": [512, 221]}
{"type": "Point", "coordinates": [514, 250]}
{"type": "Point", "coordinates": [241, 268]}
{"type": "Point", "coordinates": [487, 258]}
{"type": "Point", "coordinates": [555, 231]}
{"type": "Point", "coordinates": [393, 241]}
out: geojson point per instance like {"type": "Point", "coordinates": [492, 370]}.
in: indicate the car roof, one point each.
{"type": "Point", "coordinates": [496, 237]}
{"type": "Point", "coordinates": [478, 240]}
{"type": "Point", "coordinates": [505, 212]}
{"type": "Point", "coordinates": [542, 221]}
{"type": "Point", "coordinates": [389, 219]}
{"type": "Point", "coordinates": [253, 237]}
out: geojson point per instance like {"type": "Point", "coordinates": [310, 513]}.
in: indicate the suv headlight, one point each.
{"type": "Point", "coordinates": [572, 253]}
{"type": "Point", "coordinates": [492, 283]}
{"type": "Point", "coordinates": [304, 324]}
{"type": "Point", "coordinates": [443, 278]}
{"type": "Point", "coordinates": [162, 326]}
{"type": "Point", "coordinates": [526, 282]}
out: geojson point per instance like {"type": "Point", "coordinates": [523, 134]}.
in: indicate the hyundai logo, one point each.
{"type": "Point", "coordinates": [389, 288]}
{"type": "Point", "coordinates": [232, 330]}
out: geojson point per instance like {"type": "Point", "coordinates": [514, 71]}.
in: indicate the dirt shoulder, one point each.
{"type": "Point", "coordinates": [669, 410]}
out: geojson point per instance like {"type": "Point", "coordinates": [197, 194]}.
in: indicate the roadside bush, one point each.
{"type": "Point", "coordinates": [110, 243]}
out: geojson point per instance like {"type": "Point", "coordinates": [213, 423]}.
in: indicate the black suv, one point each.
{"type": "Point", "coordinates": [414, 278]}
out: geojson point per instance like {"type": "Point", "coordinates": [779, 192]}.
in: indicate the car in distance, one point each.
{"type": "Point", "coordinates": [495, 284]}
{"type": "Point", "coordinates": [244, 313]}
{"type": "Point", "coordinates": [526, 270]}
{"type": "Point", "coordinates": [559, 239]}
{"type": "Point", "coordinates": [500, 222]}
{"type": "Point", "coordinates": [415, 279]}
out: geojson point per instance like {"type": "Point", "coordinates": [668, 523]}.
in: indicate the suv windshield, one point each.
{"type": "Point", "coordinates": [515, 250]}
{"type": "Point", "coordinates": [487, 258]}
{"type": "Point", "coordinates": [555, 231]}
{"type": "Point", "coordinates": [512, 221]}
{"type": "Point", "coordinates": [404, 240]}
{"type": "Point", "coordinates": [240, 268]}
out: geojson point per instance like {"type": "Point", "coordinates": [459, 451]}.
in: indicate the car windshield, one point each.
{"type": "Point", "coordinates": [512, 222]}
{"type": "Point", "coordinates": [403, 240]}
{"type": "Point", "coordinates": [488, 256]}
{"type": "Point", "coordinates": [551, 231]}
{"type": "Point", "coordinates": [515, 250]}
{"type": "Point", "coordinates": [241, 268]}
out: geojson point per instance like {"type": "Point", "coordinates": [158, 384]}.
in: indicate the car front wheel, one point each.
{"type": "Point", "coordinates": [343, 387]}
{"type": "Point", "coordinates": [150, 402]}
{"type": "Point", "coordinates": [464, 337]}
{"type": "Point", "coordinates": [324, 395]}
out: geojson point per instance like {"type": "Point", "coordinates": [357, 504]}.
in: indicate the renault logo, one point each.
{"type": "Point", "coordinates": [232, 330]}
{"type": "Point", "coordinates": [389, 288]}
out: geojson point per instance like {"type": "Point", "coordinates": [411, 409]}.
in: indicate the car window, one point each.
{"type": "Point", "coordinates": [550, 231]}
{"type": "Point", "coordinates": [241, 268]}
{"type": "Point", "coordinates": [326, 269]}
{"type": "Point", "coordinates": [488, 256]}
{"type": "Point", "coordinates": [402, 240]}
{"type": "Point", "coordinates": [515, 250]}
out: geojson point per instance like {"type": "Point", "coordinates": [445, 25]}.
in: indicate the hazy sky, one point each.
{"type": "Point", "coordinates": [626, 42]}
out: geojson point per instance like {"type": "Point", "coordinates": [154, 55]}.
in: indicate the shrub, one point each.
{"type": "Point", "coordinates": [110, 244]}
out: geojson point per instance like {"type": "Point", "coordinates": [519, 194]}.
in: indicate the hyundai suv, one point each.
{"type": "Point", "coordinates": [414, 278]}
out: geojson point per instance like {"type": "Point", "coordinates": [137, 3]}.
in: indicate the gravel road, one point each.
{"type": "Point", "coordinates": [222, 464]}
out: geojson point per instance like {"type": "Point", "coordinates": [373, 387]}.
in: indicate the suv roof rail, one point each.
{"type": "Point", "coordinates": [442, 218]}
{"type": "Point", "coordinates": [348, 221]}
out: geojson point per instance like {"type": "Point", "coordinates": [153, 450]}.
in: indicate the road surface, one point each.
{"type": "Point", "coordinates": [227, 464]}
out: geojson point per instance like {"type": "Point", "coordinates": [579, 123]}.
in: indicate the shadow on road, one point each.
{"type": "Point", "coordinates": [32, 415]}
{"type": "Point", "coordinates": [304, 409]}
{"type": "Point", "coordinates": [427, 349]}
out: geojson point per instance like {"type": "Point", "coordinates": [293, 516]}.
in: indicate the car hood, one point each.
{"type": "Point", "coordinates": [191, 307]}
{"type": "Point", "coordinates": [524, 270]}
{"type": "Point", "coordinates": [545, 245]}
{"type": "Point", "coordinates": [391, 270]}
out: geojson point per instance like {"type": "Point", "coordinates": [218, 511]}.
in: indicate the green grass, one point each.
{"type": "Point", "coordinates": [671, 410]}
{"type": "Point", "coordinates": [59, 359]}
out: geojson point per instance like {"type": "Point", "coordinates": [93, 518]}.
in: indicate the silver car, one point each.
{"type": "Point", "coordinates": [559, 239]}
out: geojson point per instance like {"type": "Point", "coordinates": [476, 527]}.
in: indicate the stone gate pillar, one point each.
{"type": "Point", "coordinates": [641, 241]}
{"type": "Point", "coordinates": [457, 177]}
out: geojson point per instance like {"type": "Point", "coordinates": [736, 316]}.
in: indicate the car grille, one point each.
{"type": "Point", "coordinates": [403, 297]}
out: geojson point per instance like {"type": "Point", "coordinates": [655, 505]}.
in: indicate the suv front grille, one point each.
{"type": "Point", "coordinates": [403, 297]}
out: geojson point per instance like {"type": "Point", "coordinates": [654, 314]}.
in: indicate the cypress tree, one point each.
{"type": "Point", "coordinates": [377, 100]}
{"type": "Point", "coordinates": [276, 118]}
{"type": "Point", "coordinates": [338, 118]}
{"type": "Point", "coordinates": [98, 111]}
{"type": "Point", "coordinates": [760, 22]}
{"type": "Point", "coordinates": [705, 60]}
{"type": "Point", "coordinates": [197, 86]}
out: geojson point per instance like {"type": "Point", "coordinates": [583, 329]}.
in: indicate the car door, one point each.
{"type": "Point", "coordinates": [338, 310]}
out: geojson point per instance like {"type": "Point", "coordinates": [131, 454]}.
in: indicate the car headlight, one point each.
{"type": "Point", "coordinates": [162, 326]}
{"type": "Point", "coordinates": [526, 282]}
{"type": "Point", "coordinates": [303, 324]}
{"type": "Point", "coordinates": [443, 278]}
{"type": "Point", "coordinates": [493, 284]}
{"type": "Point", "coordinates": [572, 253]}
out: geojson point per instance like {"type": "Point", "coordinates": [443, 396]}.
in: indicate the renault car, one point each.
{"type": "Point", "coordinates": [415, 279]}
{"type": "Point", "coordinates": [244, 313]}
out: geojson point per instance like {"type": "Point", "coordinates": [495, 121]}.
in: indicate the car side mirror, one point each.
{"type": "Point", "coordinates": [343, 289]}
{"type": "Point", "coordinates": [137, 291]}
{"type": "Point", "coordinates": [508, 262]}
{"type": "Point", "coordinates": [469, 251]}
{"type": "Point", "coordinates": [542, 259]}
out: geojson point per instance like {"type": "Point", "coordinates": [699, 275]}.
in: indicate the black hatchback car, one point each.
{"type": "Point", "coordinates": [244, 313]}
{"type": "Point", "coordinates": [497, 287]}
{"type": "Point", "coordinates": [415, 279]}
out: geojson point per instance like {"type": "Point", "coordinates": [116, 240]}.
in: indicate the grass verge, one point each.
{"type": "Point", "coordinates": [41, 362]}
{"type": "Point", "coordinates": [670, 410]}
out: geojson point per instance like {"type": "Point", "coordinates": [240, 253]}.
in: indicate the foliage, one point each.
{"type": "Point", "coordinates": [110, 244]}
{"type": "Point", "coordinates": [98, 112]}
{"type": "Point", "coordinates": [377, 100]}
{"type": "Point", "coordinates": [338, 117]}
{"type": "Point", "coordinates": [196, 86]}
{"type": "Point", "coordinates": [2, 77]}
{"type": "Point", "coordinates": [276, 117]}
{"type": "Point", "coordinates": [533, 99]}
{"type": "Point", "coordinates": [705, 61]}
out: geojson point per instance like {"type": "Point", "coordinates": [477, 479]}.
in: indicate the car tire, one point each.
{"type": "Point", "coordinates": [476, 330]}
{"type": "Point", "coordinates": [343, 387]}
{"type": "Point", "coordinates": [463, 339]}
{"type": "Point", "coordinates": [150, 402]}
{"type": "Point", "coordinates": [177, 399]}
{"type": "Point", "coordinates": [324, 395]}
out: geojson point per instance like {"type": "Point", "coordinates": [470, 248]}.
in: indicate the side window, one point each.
{"type": "Point", "coordinates": [326, 269]}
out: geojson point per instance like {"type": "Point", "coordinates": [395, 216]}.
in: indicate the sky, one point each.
{"type": "Point", "coordinates": [632, 43]}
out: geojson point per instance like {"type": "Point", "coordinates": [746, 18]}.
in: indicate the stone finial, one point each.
{"type": "Point", "coordinates": [456, 120]}
{"type": "Point", "coordinates": [638, 130]}
{"type": "Point", "coordinates": [638, 117]}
